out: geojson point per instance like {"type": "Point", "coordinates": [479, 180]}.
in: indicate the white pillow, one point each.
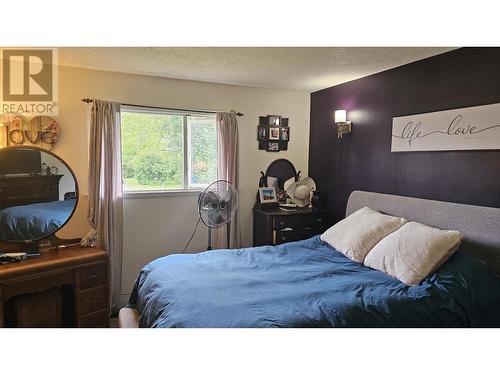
{"type": "Point", "coordinates": [413, 252]}
{"type": "Point", "coordinates": [356, 235]}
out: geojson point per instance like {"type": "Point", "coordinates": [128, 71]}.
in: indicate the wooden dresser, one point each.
{"type": "Point", "coordinates": [60, 288]}
{"type": "Point", "coordinates": [21, 190]}
{"type": "Point", "coordinates": [274, 227]}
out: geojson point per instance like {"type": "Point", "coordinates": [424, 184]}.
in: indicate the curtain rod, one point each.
{"type": "Point", "coordinates": [87, 100]}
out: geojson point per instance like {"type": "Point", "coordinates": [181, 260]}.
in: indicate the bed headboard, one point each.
{"type": "Point", "coordinates": [479, 225]}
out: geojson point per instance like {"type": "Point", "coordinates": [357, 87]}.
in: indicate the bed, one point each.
{"type": "Point", "coordinates": [310, 284]}
{"type": "Point", "coordinates": [34, 220]}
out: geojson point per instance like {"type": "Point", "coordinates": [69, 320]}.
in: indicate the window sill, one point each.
{"type": "Point", "coordinates": [141, 194]}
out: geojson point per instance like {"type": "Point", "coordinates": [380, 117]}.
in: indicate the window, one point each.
{"type": "Point", "coordinates": [167, 150]}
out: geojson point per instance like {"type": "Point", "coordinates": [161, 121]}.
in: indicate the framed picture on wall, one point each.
{"type": "Point", "coordinates": [262, 133]}
{"type": "Point", "coordinates": [263, 121]}
{"type": "Point", "coordinates": [274, 133]}
{"type": "Point", "coordinates": [285, 134]}
{"type": "Point", "coordinates": [274, 120]}
{"type": "Point", "coordinates": [273, 146]}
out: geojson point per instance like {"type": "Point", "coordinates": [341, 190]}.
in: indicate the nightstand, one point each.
{"type": "Point", "coordinates": [278, 226]}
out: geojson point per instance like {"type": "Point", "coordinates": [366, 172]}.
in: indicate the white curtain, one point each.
{"type": "Point", "coordinates": [227, 169]}
{"type": "Point", "coordinates": [105, 189]}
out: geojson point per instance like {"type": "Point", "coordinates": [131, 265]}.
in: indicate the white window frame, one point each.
{"type": "Point", "coordinates": [186, 189]}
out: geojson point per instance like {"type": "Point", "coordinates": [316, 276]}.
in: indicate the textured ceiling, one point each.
{"type": "Point", "coordinates": [292, 68]}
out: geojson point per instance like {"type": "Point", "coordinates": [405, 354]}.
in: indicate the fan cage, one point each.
{"type": "Point", "coordinates": [217, 204]}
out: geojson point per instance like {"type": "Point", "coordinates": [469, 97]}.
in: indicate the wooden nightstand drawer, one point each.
{"type": "Point", "coordinates": [268, 225]}
{"type": "Point", "coordinates": [300, 221]}
{"type": "Point", "coordinates": [99, 319]}
{"type": "Point", "coordinates": [282, 236]}
{"type": "Point", "coordinates": [92, 276]}
{"type": "Point", "coordinates": [93, 300]}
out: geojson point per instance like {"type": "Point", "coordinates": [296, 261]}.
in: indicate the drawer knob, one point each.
{"type": "Point", "coordinates": [283, 238]}
{"type": "Point", "coordinates": [320, 220]}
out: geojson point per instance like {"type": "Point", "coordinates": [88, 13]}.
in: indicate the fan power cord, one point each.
{"type": "Point", "coordinates": [192, 235]}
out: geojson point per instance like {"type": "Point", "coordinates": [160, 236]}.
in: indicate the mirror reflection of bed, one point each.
{"type": "Point", "coordinates": [37, 194]}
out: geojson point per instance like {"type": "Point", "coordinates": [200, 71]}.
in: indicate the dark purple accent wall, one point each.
{"type": "Point", "coordinates": [362, 160]}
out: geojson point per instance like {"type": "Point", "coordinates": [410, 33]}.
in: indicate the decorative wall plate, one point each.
{"type": "Point", "coordinates": [50, 130]}
{"type": "Point", "coordinates": [48, 138]}
{"type": "Point", "coordinates": [33, 129]}
{"type": "Point", "coordinates": [32, 135]}
{"type": "Point", "coordinates": [12, 121]}
{"type": "Point", "coordinates": [16, 136]}
{"type": "Point", "coordinates": [40, 131]}
{"type": "Point", "coordinates": [11, 124]}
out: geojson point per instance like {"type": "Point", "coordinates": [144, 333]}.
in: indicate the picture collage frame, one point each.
{"type": "Point", "coordinates": [273, 133]}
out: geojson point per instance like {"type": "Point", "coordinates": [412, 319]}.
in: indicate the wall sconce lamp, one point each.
{"type": "Point", "coordinates": [343, 126]}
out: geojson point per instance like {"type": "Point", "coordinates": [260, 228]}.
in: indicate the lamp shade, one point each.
{"type": "Point", "coordinates": [340, 115]}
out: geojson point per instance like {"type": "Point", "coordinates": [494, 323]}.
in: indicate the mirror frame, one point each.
{"type": "Point", "coordinates": [276, 163]}
{"type": "Point", "coordinates": [77, 188]}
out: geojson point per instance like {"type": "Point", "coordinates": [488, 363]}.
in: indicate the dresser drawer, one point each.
{"type": "Point", "coordinates": [92, 300]}
{"type": "Point", "coordinates": [92, 276]}
{"type": "Point", "coordinates": [283, 236]}
{"type": "Point", "coordinates": [300, 221]}
{"type": "Point", "coordinates": [99, 319]}
{"type": "Point", "coordinates": [26, 193]}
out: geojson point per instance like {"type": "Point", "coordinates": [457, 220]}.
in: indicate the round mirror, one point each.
{"type": "Point", "coordinates": [38, 193]}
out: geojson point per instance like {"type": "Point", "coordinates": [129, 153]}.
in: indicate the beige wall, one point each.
{"type": "Point", "coordinates": [161, 225]}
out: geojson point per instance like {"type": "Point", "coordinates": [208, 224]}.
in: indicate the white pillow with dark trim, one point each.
{"type": "Point", "coordinates": [356, 235]}
{"type": "Point", "coordinates": [413, 252]}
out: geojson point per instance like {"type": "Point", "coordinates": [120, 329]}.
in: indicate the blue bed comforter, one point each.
{"type": "Point", "coordinates": [309, 284]}
{"type": "Point", "coordinates": [34, 220]}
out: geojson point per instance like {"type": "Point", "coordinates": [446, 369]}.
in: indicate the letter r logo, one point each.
{"type": "Point", "coordinates": [27, 75]}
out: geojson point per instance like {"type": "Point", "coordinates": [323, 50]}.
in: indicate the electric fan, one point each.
{"type": "Point", "coordinates": [216, 206]}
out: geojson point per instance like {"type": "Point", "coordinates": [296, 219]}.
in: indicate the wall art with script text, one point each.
{"type": "Point", "coordinates": [471, 128]}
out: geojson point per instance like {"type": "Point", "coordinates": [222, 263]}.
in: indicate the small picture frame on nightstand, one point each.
{"type": "Point", "coordinates": [267, 195]}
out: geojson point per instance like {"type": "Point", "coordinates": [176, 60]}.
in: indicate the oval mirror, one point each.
{"type": "Point", "coordinates": [38, 193]}
{"type": "Point", "coordinates": [282, 170]}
